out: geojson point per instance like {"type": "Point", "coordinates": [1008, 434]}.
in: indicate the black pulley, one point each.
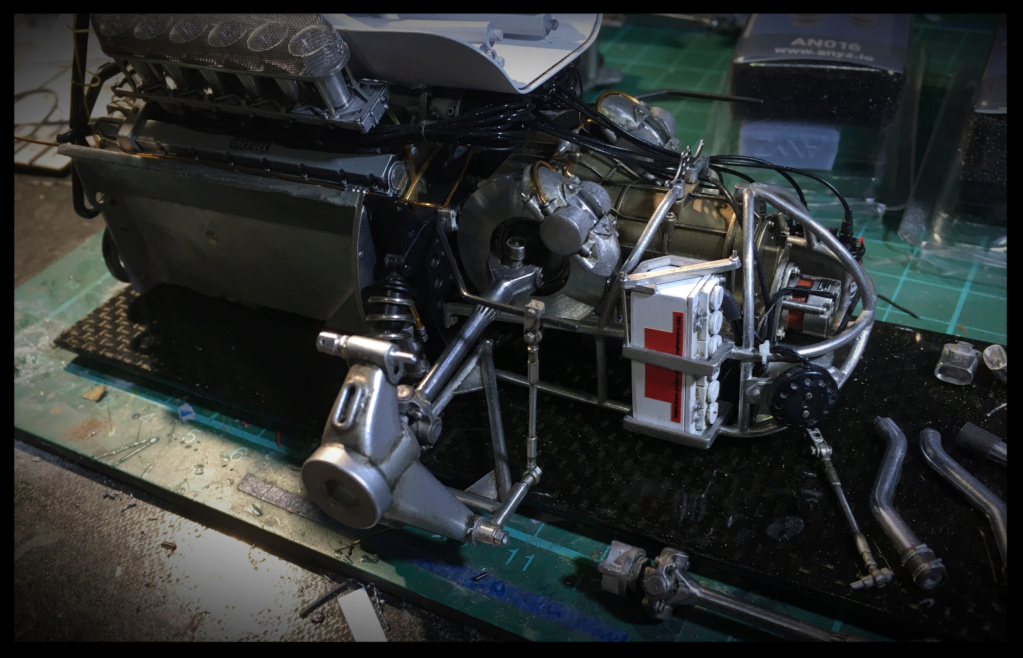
{"type": "Point", "coordinates": [802, 395]}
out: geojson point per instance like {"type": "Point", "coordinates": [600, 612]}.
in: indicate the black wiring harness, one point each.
{"type": "Point", "coordinates": [508, 124]}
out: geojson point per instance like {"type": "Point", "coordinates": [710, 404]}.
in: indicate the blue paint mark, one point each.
{"type": "Point", "coordinates": [186, 412]}
{"type": "Point", "coordinates": [534, 604]}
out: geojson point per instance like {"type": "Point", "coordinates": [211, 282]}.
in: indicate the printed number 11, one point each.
{"type": "Point", "coordinates": [529, 558]}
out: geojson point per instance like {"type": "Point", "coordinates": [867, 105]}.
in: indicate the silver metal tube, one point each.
{"type": "Point", "coordinates": [453, 354]}
{"type": "Point", "coordinates": [475, 501]}
{"type": "Point", "coordinates": [518, 493]}
{"type": "Point", "coordinates": [334, 91]}
{"type": "Point", "coordinates": [748, 217]}
{"type": "Point", "coordinates": [601, 366]}
{"type": "Point", "coordinates": [501, 470]}
{"type": "Point", "coordinates": [999, 453]}
{"type": "Point", "coordinates": [746, 369]}
{"type": "Point", "coordinates": [927, 570]}
{"type": "Point", "coordinates": [859, 344]}
{"type": "Point", "coordinates": [806, 308]}
{"type": "Point", "coordinates": [981, 497]}
{"type": "Point", "coordinates": [763, 618]}
{"type": "Point", "coordinates": [768, 428]}
{"type": "Point", "coordinates": [645, 238]}
{"type": "Point", "coordinates": [533, 368]}
{"type": "Point", "coordinates": [884, 487]}
{"type": "Point", "coordinates": [783, 201]}
{"type": "Point", "coordinates": [449, 391]}
{"type": "Point", "coordinates": [575, 326]}
{"type": "Point", "coordinates": [567, 393]}
{"type": "Point", "coordinates": [811, 241]}
{"type": "Point", "coordinates": [504, 288]}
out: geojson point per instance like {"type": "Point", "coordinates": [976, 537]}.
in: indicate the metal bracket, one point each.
{"type": "Point", "coordinates": [701, 368]}
{"type": "Point", "coordinates": [127, 134]}
{"type": "Point", "coordinates": [681, 269]}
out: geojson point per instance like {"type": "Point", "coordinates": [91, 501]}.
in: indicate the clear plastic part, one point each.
{"type": "Point", "coordinates": [957, 363]}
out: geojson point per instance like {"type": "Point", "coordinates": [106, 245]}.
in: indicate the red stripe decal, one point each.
{"type": "Point", "coordinates": [661, 383]}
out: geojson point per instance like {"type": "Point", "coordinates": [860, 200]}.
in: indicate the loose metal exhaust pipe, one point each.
{"type": "Point", "coordinates": [926, 569]}
{"type": "Point", "coordinates": [981, 497]}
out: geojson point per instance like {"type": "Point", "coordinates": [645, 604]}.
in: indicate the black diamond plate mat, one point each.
{"type": "Point", "coordinates": [257, 360]}
{"type": "Point", "coordinates": [758, 511]}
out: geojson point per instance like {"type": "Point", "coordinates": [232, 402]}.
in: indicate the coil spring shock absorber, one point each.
{"type": "Point", "coordinates": [391, 314]}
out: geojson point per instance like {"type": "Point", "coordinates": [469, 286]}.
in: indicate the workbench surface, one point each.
{"type": "Point", "coordinates": [757, 516]}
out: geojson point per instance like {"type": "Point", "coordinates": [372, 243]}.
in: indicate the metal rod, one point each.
{"type": "Point", "coordinates": [532, 334]}
{"type": "Point", "coordinates": [454, 353]}
{"type": "Point", "coordinates": [567, 393]}
{"type": "Point", "coordinates": [980, 496]}
{"type": "Point", "coordinates": [812, 241]}
{"type": "Point", "coordinates": [876, 576]}
{"type": "Point", "coordinates": [748, 330]}
{"type": "Point", "coordinates": [759, 617]}
{"type": "Point", "coordinates": [501, 470]}
{"type": "Point", "coordinates": [802, 306]}
{"type": "Point", "coordinates": [575, 326]}
{"type": "Point", "coordinates": [533, 368]}
{"type": "Point", "coordinates": [674, 192]}
{"type": "Point", "coordinates": [475, 501]}
{"type": "Point", "coordinates": [518, 493]}
{"type": "Point", "coordinates": [449, 391]}
{"type": "Point", "coordinates": [672, 274]}
{"type": "Point", "coordinates": [136, 451]}
{"type": "Point", "coordinates": [601, 367]}
{"type": "Point", "coordinates": [832, 474]}
{"type": "Point", "coordinates": [127, 447]}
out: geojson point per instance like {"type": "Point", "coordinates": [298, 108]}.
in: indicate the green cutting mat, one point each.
{"type": "Point", "coordinates": [675, 55]}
